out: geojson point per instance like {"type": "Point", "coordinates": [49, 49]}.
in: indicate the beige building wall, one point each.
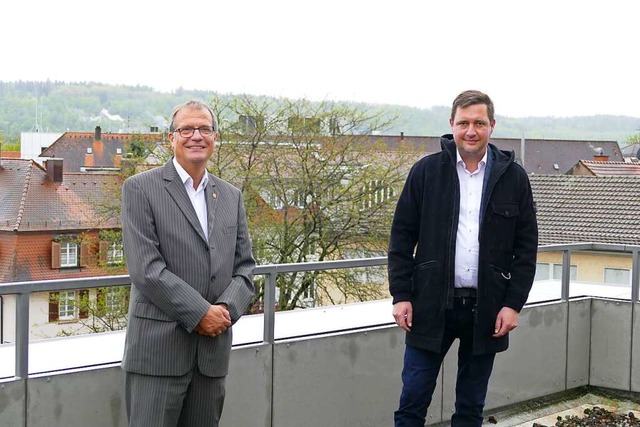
{"type": "Point", "coordinates": [590, 265]}
{"type": "Point", "coordinates": [40, 327]}
{"type": "Point", "coordinates": [8, 319]}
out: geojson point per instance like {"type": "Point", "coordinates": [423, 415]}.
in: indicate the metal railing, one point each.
{"type": "Point", "coordinates": [22, 290]}
{"type": "Point", "coordinates": [567, 249]}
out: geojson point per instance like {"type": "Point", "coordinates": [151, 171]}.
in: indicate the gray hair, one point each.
{"type": "Point", "coordinates": [193, 105]}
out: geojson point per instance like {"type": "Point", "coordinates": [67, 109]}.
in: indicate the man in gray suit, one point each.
{"type": "Point", "coordinates": [189, 256]}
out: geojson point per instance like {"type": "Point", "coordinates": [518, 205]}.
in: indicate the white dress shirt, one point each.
{"type": "Point", "coordinates": [197, 196]}
{"type": "Point", "coordinates": [467, 244]}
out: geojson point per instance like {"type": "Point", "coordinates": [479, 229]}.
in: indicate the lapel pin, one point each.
{"type": "Point", "coordinates": [214, 195]}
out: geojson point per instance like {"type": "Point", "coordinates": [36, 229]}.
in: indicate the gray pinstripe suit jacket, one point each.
{"type": "Point", "coordinates": [176, 275]}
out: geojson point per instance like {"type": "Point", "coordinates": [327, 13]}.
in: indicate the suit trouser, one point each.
{"type": "Point", "coordinates": [192, 400]}
{"type": "Point", "coordinates": [421, 368]}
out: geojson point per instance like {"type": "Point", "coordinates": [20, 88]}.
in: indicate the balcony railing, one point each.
{"type": "Point", "coordinates": [572, 337]}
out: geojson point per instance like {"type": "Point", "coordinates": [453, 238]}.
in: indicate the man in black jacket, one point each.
{"type": "Point", "coordinates": [462, 257]}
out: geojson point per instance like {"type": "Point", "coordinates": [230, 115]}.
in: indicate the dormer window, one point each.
{"type": "Point", "coordinates": [68, 254]}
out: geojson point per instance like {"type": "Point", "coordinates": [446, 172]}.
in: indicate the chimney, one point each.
{"type": "Point", "coordinates": [88, 158]}
{"type": "Point", "coordinates": [117, 159]}
{"type": "Point", "coordinates": [600, 156]}
{"type": "Point", "coordinates": [97, 149]}
{"type": "Point", "coordinates": [54, 170]}
{"type": "Point", "coordinates": [401, 136]}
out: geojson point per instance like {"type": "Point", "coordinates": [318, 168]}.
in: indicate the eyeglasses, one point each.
{"type": "Point", "coordinates": [188, 132]}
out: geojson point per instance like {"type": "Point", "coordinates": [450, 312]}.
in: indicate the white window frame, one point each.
{"type": "Point", "coordinates": [552, 268]}
{"type": "Point", "coordinates": [113, 300]}
{"type": "Point", "coordinates": [539, 276]}
{"type": "Point", "coordinates": [573, 271]}
{"type": "Point", "coordinates": [115, 253]}
{"type": "Point", "coordinates": [618, 270]}
{"type": "Point", "coordinates": [68, 254]}
{"type": "Point", "coordinates": [67, 309]}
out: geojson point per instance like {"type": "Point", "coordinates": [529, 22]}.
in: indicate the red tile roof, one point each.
{"type": "Point", "coordinates": [72, 147]}
{"type": "Point", "coordinates": [33, 210]}
{"type": "Point", "coordinates": [31, 202]}
{"type": "Point", "coordinates": [596, 168]}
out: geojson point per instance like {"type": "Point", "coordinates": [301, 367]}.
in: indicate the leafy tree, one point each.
{"type": "Point", "coordinates": [633, 139]}
{"type": "Point", "coordinates": [8, 144]}
{"type": "Point", "coordinates": [138, 147]}
{"type": "Point", "coordinates": [107, 311]}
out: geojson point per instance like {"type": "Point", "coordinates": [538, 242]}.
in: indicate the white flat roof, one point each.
{"type": "Point", "coordinates": [82, 351]}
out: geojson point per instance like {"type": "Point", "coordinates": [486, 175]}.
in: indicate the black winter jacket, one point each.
{"type": "Point", "coordinates": [423, 242]}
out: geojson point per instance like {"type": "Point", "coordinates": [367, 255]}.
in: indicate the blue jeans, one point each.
{"type": "Point", "coordinates": [421, 368]}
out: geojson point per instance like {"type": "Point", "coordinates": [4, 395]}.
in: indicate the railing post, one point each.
{"type": "Point", "coordinates": [566, 275]}
{"type": "Point", "coordinates": [635, 275]}
{"type": "Point", "coordinates": [564, 297]}
{"type": "Point", "coordinates": [22, 336]}
{"type": "Point", "coordinates": [269, 307]}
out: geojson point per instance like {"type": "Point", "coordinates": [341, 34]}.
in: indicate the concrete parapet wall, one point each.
{"type": "Point", "coordinates": [353, 378]}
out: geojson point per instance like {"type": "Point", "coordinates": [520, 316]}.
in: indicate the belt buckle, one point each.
{"type": "Point", "coordinates": [466, 300]}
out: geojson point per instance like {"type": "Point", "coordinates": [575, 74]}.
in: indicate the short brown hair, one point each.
{"type": "Point", "coordinates": [472, 97]}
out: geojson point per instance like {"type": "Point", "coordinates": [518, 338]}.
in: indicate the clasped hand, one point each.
{"type": "Point", "coordinates": [215, 321]}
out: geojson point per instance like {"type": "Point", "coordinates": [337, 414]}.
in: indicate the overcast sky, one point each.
{"type": "Point", "coordinates": [534, 58]}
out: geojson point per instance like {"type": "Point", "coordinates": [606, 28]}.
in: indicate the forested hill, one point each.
{"type": "Point", "coordinates": [82, 106]}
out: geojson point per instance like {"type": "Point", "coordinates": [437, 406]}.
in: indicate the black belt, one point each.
{"type": "Point", "coordinates": [465, 293]}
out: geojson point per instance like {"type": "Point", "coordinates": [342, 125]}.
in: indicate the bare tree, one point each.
{"type": "Point", "coordinates": [317, 187]}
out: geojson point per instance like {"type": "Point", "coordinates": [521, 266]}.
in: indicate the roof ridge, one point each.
{"type": "Point", "coordinates": [23, 199]}
{"type": "Point", "coordinates": [618, 162]}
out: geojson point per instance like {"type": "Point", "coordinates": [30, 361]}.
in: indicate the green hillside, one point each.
{"type": "Point", "coordinates": [54, 106]}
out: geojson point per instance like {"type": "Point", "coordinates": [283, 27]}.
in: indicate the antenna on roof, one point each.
{"type": "Point", "coordinates": [36, 127]}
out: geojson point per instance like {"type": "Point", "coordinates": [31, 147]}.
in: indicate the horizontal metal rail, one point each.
{"type": "Point", "coordinates": [22, 290]}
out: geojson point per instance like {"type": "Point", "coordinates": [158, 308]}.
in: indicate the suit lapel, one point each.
{"type": "Point", "coordinates": [175, 188]}
{"type": "Point", "coordinates": [212, 206]}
